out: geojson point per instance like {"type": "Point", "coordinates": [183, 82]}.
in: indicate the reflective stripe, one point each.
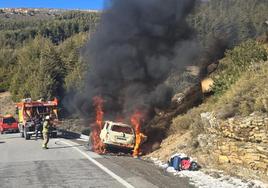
{"type": "Point", "coordinates": [45, 127]}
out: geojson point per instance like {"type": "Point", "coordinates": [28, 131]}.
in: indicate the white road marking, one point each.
{"type": "Point", "coordinates": [81, 139]}
{"type": "Point", "coordinates": [84, 137]}
{"type": "Point", "coordinates": [113, 175]}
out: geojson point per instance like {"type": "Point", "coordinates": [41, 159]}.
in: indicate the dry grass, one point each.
{"type": "Point", "coordinates": [248, 94]}
{"type": "Point", "coordinates": [7, 106]}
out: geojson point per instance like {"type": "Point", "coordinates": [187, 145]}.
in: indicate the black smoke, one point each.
{"type": "Point", "coordinates": [136, 46]}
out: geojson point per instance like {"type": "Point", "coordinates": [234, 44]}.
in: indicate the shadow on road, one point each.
{"type": "Point", "coordinates": [63, 147]}
{"type": "Point", "coordinates": [68, 135]}
{"type": "Point", "coordinates": [8, 138]}
{"type": "Point", "coordinates": [2, 142]}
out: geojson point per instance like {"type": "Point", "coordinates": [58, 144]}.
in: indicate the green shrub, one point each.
{"type": "Point", "coordinates": [248, 94]}
{"type": "Point", "coordinates": [75, 68]}
{"type": "Point", "coordinates": [261, 104]}
{"type": "Point", "coordinates": [39, 73]}
{"type": "Point", "coordinates": [237, 61]}
{"type": "Point", "coordinates": [190, 120]}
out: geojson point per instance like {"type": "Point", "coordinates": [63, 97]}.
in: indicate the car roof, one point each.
{"type": "Point", "coordinates": [8, 116]}
{"type": "Point", "coordinates": [118, 123]}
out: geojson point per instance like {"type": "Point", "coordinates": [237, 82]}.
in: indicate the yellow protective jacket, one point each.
{"type": "Point", "coordinates": [46, 126]}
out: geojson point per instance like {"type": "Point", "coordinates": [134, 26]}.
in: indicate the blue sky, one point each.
{"type": "Point", "coordinates": [65, 4]}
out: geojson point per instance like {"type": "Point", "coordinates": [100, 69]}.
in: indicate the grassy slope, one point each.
{"type": "Point", "coordinates": [248, 94]}
{"type": "Point", "coordinates": [7, 106]}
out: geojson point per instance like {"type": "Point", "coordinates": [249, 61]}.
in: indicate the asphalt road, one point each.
{"type": "Point", "coordinates": [69, 164]}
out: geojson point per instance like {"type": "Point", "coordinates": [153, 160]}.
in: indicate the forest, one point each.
{"type": "Point", "coordinates": [39, 57]}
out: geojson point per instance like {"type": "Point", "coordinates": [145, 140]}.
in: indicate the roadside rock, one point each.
{"type": "Point", "coordinates": [238, 143]}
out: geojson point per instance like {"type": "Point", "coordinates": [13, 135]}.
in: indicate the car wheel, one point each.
{"type": "Point", "coordinates": [106, 147]}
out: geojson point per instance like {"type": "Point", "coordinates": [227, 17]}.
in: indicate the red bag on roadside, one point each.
{"type": "Point", "coordinates": [185, 164]}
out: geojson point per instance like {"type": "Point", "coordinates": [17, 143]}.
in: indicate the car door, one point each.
{"type": "Point", "coordinates": [104, 132]}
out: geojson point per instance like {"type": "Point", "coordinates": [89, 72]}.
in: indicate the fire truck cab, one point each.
{"type": "Point", "coordinates": [32, 113]}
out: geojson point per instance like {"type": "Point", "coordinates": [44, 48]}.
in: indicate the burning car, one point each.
{"type": "Point", "coordinates": [118, 135]}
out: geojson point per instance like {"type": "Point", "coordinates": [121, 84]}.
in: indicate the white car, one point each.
{"type": "Point", "coordinates": [118, 134]}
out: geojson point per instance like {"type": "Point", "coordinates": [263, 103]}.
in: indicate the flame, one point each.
{"type": "Point", "coordinates": [136, 122]}
{"type": "Point", "coordinates": [97, 144]}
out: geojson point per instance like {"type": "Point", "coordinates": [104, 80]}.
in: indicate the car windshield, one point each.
{"type": "Point", "coordinates": [9, 120]}
{"type": "Point", "coordinates": [120, 129]}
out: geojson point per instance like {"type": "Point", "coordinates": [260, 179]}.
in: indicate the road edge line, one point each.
{"type": "Point", "coordinates": [102, 167]}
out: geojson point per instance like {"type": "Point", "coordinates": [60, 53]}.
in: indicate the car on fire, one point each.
{"type": "Point", "coordinates": [116, 134]}
{"type": "Point", "coordinates": [8, 124]}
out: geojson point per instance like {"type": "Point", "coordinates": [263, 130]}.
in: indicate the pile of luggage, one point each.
{"type": "Point", "coordinates": [182, 162]}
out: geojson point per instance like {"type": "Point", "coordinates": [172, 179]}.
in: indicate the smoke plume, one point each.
{"type": "Point", "coordinates": [136, 46]}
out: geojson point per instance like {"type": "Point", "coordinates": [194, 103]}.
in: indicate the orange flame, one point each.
{"type": "Point", "coordinates": [136, 122]}
{"type": "Point", "coordinates": [98, 103]}
{"type": "Point", "coordinates": [97, 144]}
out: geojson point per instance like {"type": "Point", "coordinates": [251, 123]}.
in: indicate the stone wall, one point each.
{"type": "Point", "coordinates": [239, 144]}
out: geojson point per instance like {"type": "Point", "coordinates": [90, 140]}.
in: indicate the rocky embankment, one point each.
{"type": "Point", "coordinates": [229, 130]}
{"type": "Point", "coordinates": [239, 145]}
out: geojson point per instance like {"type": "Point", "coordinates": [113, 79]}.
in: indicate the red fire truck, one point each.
{"type": "Point", "coordinates": [31, 113]}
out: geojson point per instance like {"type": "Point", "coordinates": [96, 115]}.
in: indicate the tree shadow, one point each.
{"type": "Point", "coordinates": [68, 135]}
{"type": "Point", "coordinates": [10, 138]}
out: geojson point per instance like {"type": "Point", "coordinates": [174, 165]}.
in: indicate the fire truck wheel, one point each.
{"type": "Point", "coordinates": [26, 135]}
{"type": "Point", "coordinates": [22, 134]}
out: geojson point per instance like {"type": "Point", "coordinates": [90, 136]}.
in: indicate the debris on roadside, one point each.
{"type": "Point", "coordinates": [181, 162]}
{"type": "Point", "coordinates": [202, 179]}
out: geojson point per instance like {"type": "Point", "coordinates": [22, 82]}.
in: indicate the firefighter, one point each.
{"type": "Point", "coordinates": [46, 125]}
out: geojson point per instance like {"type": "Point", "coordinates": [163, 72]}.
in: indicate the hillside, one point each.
{"type": "Point", "coordinates": [228, 130]}
{"type": "Point", "coordinates": [150, 59]}
{"type": "Point", "coordinates": [7, 106]}
{"type": "Point", "coordinates": [21, 33]}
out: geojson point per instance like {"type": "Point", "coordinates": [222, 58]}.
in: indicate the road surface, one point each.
{"type": "Point", "coordinates": [68, 164]}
